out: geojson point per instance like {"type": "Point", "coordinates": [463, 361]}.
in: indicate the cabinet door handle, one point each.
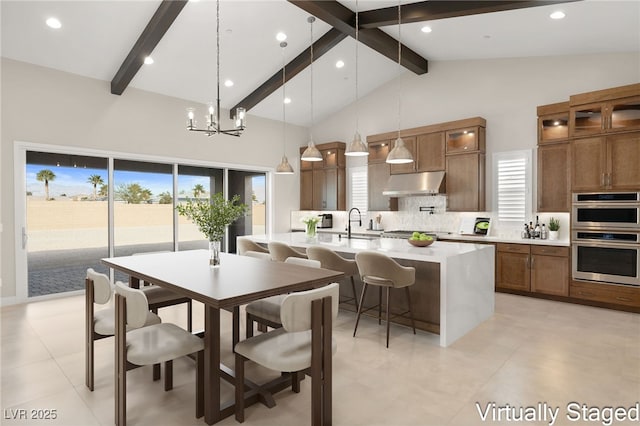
{"type": "Point", "coordinates": [532, 262]}
{"type": "Point", "coordinates": [609, 180]}
{"type": "Point", "coordinates": [602, 180]}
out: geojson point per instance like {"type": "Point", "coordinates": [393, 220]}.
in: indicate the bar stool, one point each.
{"type": "Point", "coordinates": [329, 259]}
{"type": "Point", "coordinates": [244, 245]}
{"type": "Point", "coordinates": [281, 251]}
{"type": "Point", "coordinates": [382, 271]}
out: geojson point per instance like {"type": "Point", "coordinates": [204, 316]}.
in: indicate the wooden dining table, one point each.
{"type": "Point", "coordinates": [237, 281]}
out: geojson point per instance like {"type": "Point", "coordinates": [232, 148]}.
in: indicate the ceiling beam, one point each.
{"type": "Point", "coordinates": [160, 22]}
{"type": "Point", "coordinates": [293, 68]}
{"type": "Point", "coordinates": [441, 9]}
{"type": "Point", "coordinates": [343, 19]}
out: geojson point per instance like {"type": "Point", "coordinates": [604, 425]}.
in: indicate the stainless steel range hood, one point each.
{"type": "Point", "coordinates": [426, 183]}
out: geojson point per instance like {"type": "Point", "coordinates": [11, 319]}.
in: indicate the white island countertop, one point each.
{"type": "Point", "coordinates": [465, 272]}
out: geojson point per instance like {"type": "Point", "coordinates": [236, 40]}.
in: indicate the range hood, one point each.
{"type": "Point", "coordinates": [426, 183]}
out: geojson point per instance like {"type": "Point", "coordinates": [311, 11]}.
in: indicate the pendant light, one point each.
{"type": "Point", "coordinates": [356, 147]}
{"type": "Point", "coordinates": [284, 168]}
{"type": "Point", "coordinates": [399, 154]}
{"type": "Point", "coordinates": [311, 153]}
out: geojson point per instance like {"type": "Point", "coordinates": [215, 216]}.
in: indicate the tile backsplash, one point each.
{"type": "Point", "coordinates": [434, 217]}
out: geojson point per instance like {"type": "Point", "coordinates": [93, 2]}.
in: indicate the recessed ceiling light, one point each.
{"type": "Point", "coordinates": [340, 64]}
{"type": "Point", "coordinates": [281, 36]}
{"type": "Point", "coordinates": [426, 29]}
{"type": "Point", "coordinates": [148, 60]}
{"type": "Point", "coordinates": [287, 100]}
{"type": "Point", "coordinates": [228, 83]}
{"type": "Point", "coordinates": [54, 23]}
{"type": "Point", "coordinates": [558, 14]}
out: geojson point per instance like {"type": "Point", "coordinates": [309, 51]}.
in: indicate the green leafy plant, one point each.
{"type": "Point", "coordinates": [213, 216]}
{"type": "Point", "coordinates": [554, 224]}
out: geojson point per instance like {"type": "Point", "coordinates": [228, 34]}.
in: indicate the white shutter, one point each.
{"type": "Point", "coordinates": [358, 187]}
{"type": "Point", "coordinates": [512, 179]}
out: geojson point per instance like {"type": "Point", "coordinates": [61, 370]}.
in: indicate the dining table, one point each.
{"type": "Point", "coordinates": [236, 281]}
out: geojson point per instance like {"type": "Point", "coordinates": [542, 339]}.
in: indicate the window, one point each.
{"type": "Point", "coordinates": [512, 183]}
{"type": "Point", "coordinates": [358, 187]}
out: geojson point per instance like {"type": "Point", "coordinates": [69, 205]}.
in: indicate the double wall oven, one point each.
{"type": "Point", "coordinates": [605, 238]}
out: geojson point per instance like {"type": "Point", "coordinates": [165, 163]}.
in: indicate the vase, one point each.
{"type": "Point", "coordinates": [311, 230]}
{"type": "Point", "coordinates": [553, 235]}
{"type": "Point", "coordinates": [214, 253]}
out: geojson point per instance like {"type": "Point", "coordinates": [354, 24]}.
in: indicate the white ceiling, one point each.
{"type": "Point", "coordinates": [97, 35]}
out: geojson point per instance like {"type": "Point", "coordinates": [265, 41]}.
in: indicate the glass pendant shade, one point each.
{"type": "Point", "coordinates": [399, 154]}
{"type": "Point", "coordinates": [284, 168]}
{"type": "Point", "coordinates": [356, 147]}
{"type": "Point", "coordinates": [311, 153]}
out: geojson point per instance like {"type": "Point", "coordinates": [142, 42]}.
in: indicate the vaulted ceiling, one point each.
{"type": "Point", "coordinates": [107, 40]}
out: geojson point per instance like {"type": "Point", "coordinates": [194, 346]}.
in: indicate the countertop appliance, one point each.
{"type": "Point", "coordinates": [605, 239]}
{"type": "Point", "coordinates": [326, 220]}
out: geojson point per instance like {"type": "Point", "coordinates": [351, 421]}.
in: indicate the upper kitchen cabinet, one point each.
{"type": "Point", "coordinates": [553, 123]}
{"type": "Point", "coordinates": [606, 162]}
{"type": "Point", "coordinates": [605, 111]}
{"type": "Point", "coordinates": [378, 172]}
{"type": "Point", "coordinates": [463, 141]}
{"type": "Point", "coordinates": [410, 143]}
{"type": "Point", "coordinates": [430, 152]}
{"type": "Point", "coordinates": [465, 182]}
{"type": "Point", "coordinates": [554, 158]}
{"type": "Point", "coordinates": [323, 183]}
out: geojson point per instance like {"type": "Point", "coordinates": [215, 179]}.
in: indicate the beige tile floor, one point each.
{"type": "Point", "coordinates": [530, 351]}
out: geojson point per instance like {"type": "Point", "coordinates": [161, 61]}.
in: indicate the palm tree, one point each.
{"type": "Point", "coordinates": [95, 180]}
{"type": "Point", "coordinates": [45, 175]}
{"type": "Point", "coordinates": [198, 190]}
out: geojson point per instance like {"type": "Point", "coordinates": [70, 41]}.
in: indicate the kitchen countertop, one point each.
{"type": "Point", "coordinates": [452, 236]}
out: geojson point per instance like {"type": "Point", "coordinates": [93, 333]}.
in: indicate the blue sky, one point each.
{"type": "Point", "coordinates": [73, 181]}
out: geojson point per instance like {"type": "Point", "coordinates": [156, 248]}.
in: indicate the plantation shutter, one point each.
{"type": "Point", "coordinates": [359, 191]}
{"type": "Point", "coordinates": [513, 181]}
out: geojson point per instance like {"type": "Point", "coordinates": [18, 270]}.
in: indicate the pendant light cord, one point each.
{"type": "Point", "coordinates": [357, 42]}
{"type": "Point", "coordinates": [284, 97]}
{"type": "Point", "coordinates": [311, 20]}
{"type": "Point", "coordinates": [218, 63]}
{"type": "Point", "coordinates": [399, 66]}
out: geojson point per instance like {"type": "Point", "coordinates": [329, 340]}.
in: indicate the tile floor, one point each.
{"type": "Point", "coordinates": [531, 351]}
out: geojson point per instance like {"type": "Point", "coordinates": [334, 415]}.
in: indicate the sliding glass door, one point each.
{"type": "Point", "coordinates": [66, 228]}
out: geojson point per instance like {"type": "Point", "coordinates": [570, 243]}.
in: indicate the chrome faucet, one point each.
{"type": "Point", "coordinates": [349, 220]}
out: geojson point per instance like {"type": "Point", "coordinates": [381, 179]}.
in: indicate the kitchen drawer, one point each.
{"type": "Point", "coordinates": [513, 248]}
{"type": "Point", "coordinates": [550, 251]}
{"type": "Point", "coordinates": [608, 293]}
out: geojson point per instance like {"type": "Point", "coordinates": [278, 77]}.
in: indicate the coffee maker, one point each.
{"type": "Point", "coordinates": [326, 220]}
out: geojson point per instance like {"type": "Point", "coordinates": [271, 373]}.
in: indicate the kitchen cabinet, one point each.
{"type": "Point", "coordinates": [554, 177]}
{"type": "Point", "coordinates": [606, 293]}
{"type": "Point", "coordinates": [323, 183]}
{"type": "Point", "coordinates": [606, 162]}
{"type": "Point", "coordinates": [430, 156]}
{"type": "Point", "coordinates": [553, 123]}
{"type": "Point", "coordinates": [465, 182]}
{"type": "Point", "coordinates": [465, 140]}
{"type": "Point", "coordinates": [533, 268]}
{"type": "Point", "coordinates": [378, 172]}
{"type": "Point", "coordinates": [605, 111]}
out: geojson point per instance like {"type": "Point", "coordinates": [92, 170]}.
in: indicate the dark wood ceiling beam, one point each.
{"type": "Point", "coordinates": [343, 18]}
{"type": "Point", "coordinates": [293, 68]}
{"type": "Point", "coordinates": [160, 22]}
{"type": "Point", "coordinates": [441, 9]}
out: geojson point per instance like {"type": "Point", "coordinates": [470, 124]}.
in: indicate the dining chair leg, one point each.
{"type": "Point", "coordinates": [379, 305]}
{"type": "Point", "coordinates": [296, 378]}
{"type": "Point", "coordinates": [353, 287]}
{"type": "Point", "coordinates": [262, 328]}
{"type": "Point", "coordinates": [364, 291]}
{"type": "Point", "coordinates": [388, 313]}
{"type": "Point", "coordinates": [89, 333]}
{"type": "Point", "coordinates": [239, 405]}
{"type": "Point", "coordinates": [120, 363]}
{"type": "Point", "coordinates": [413, 323]}
{"type": "Point", "coordinates": [327, 360]}
{"type": "Point", "coordinates": [236, 326]}
{"type": "Point", "coordinates": [248, 326]}
{"type": "Point", "coordinates": [168, 375]}
{"type": "Point", "coordinates": [156, 372]}
{"type": "Point", "coordinates": [199, 384]}
{"type": "Point", "coordinates": [316, 362]}
{"type": "Point", "coordinates": [190, 316]}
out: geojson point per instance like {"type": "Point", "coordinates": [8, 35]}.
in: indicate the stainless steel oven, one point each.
{"type": "Point", "coordinates": [610, 256]}
{"type": "Point", "coordinates": [606, 210]}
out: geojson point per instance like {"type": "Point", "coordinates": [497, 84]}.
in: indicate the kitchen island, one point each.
{"type": "Point", "coordinates": [454, 289]}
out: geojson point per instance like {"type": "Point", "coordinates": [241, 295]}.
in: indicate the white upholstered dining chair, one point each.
{"type": "Point", "coordinates": [266, 312]}
{"type": "Point", "coordinates": [139, 345]}
{"type": "Point", "coordinates": [303, 343]}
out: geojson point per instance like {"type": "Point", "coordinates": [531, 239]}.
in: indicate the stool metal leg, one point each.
{"type": "Point", "coordinates": [413, 323]}
{"type": "Point", "coordinates": [364, 291]}
{"type": "Point", "coordinates": [388, 313]}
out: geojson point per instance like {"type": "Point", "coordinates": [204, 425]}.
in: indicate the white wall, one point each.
{"type": "Point", "coordinates": [41, 105]}
{"type": "Point", "coordinates": [505, 92]}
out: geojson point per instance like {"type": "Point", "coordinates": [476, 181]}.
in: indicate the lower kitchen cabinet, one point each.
{"type": "Point", "coordinates": [533, 268]}
{"type": "Point", "coordinates": [606, 293]}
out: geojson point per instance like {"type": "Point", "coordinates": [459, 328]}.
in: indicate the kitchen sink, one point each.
{"type": "Point", "coordinates": [358, 237]}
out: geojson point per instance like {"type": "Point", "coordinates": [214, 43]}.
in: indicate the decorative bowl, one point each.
{"type": "Point", "coordinates": [421, 243]}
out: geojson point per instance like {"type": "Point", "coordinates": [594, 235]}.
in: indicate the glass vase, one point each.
{"type": "Point", "coordinates": [311, 230]}
{"type": "Point", "coordinates": [214, 253]}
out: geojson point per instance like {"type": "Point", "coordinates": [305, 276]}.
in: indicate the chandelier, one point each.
{"type": "Point", "coordinates": [213, 113]}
